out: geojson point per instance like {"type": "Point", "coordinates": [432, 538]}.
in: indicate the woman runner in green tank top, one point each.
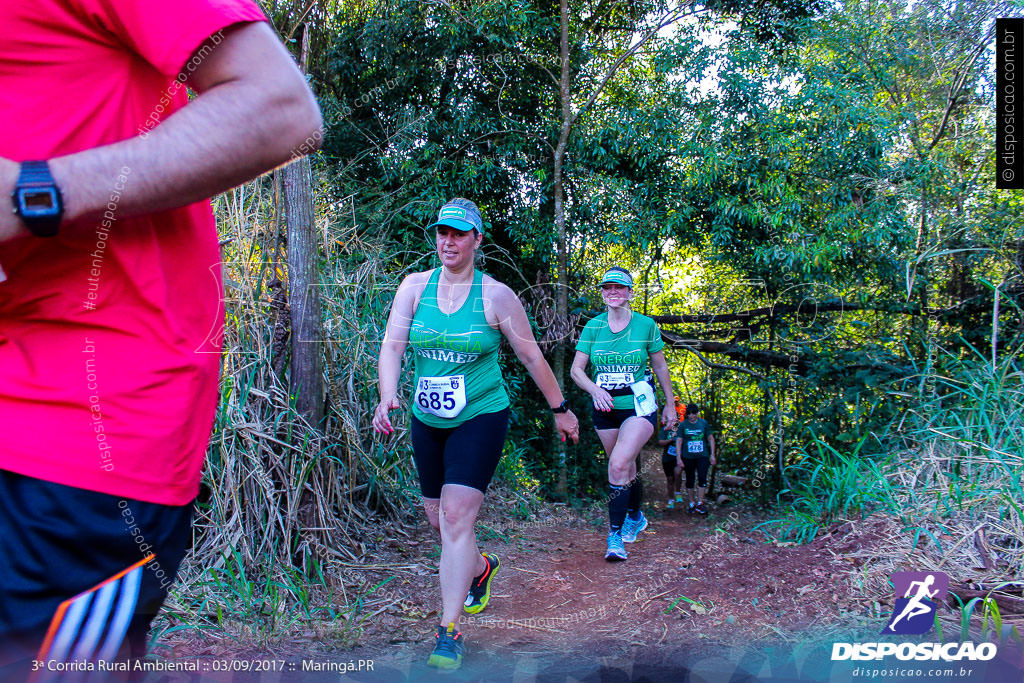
{"type": "Point", "coordinates": [456, 359]}
{"type": "Point", "coordinates": [619, 344]}
{"type": "Point", "coordinates": [454, 318]}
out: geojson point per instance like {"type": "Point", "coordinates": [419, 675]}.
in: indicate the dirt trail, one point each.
{"type": "Point", "coordinates": [559, 611]}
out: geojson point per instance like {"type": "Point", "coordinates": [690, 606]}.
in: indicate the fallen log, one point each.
{"type": "Point", "coordinates": [732, 480]}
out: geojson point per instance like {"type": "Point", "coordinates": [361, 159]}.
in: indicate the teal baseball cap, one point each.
{"type": "Point", "coordinates": [460, 214]}
{"type": "Point", "coordinates": [618, 276]}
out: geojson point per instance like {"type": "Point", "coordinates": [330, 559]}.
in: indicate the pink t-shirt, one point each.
{"type": "Point", "coordinates": [110, 333]}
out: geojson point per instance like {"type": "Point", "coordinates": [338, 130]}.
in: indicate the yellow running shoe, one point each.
{"type": "Point", "coordinates": [480, 588]}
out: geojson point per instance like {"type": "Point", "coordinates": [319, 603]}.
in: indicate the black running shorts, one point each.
{"type": "Point", "coordinates": [698, 466]}
{"type": "Point", "coordinates": [467, 454]}
{"type": "Point", "coordinates": [614, 418]}
{"type": "Point", "coordinates": [73, 571]}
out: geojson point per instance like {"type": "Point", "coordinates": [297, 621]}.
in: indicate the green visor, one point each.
{"type": "Point", "coordinates": [460, 214]}
{"type": "Point", "coordinates": [616, 277]}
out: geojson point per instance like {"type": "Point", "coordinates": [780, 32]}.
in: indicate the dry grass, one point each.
{"type": "Point", "coordinates": [958, 497]}
{"type": "Point", "coordinates": [286, 507]}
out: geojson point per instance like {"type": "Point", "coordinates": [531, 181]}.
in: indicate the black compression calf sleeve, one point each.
{"type": "Point", "coordinates": [636, 497]}
{"type": "Point", "coordinates": [618, 501]}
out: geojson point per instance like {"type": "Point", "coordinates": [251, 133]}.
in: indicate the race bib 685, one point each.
{"type": "Point", "coordinates": [441, 396]}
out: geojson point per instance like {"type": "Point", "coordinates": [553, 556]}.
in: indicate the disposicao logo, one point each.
{"type": "Point", "coordinates": [917, 596]}
{"type": "Point", "coordinates": [914, 613]}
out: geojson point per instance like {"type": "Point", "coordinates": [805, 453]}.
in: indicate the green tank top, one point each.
{"type": "Point", "coordinates": [456, 359]}
{"type": "Point", "coordinates": [620, 358]}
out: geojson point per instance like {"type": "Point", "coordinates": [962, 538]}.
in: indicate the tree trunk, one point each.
{"type": "Point", "coordinates": [562, 266]}
{"type": "Point", "coordinates": [307, 373]}
{"type": "Point", "coordinates": [995, 328]}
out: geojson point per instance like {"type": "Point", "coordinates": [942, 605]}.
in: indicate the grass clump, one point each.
{"type": "Point", "coordinates": [285, 506]}
{"type": "Point", "coordinates": [947, 496]}
{"type": "Point", "coordinates": [830, 485]}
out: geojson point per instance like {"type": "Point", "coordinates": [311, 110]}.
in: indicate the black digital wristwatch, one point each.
{"type": "Point", "coordinates": [37, 199]}
{"type": "Point", "coordinates": [562, 407]}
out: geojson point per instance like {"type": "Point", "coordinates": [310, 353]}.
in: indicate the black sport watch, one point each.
{"type": "Point", "coordinates": [37, 199]}
{"type": "Point", "coordinates": [562, 407]}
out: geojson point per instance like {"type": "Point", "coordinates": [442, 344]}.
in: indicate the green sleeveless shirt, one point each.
{"type": "Point", "coordinates": [456, 359]}
{"type": "Point", "coordinates": [620, 358]}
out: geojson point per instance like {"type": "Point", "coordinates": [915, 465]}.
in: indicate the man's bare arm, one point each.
{"type": "Point", "coordinates": [253, 112]}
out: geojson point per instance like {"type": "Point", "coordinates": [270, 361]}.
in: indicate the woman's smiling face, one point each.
{"type": "Point", "coordinates": [455, 248]}
{"type": "Point", "coordinates": [615, 295]}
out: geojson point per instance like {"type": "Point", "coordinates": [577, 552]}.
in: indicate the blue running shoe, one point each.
{"type": "Point", "coordinates": [448, 649]}
{"type": "Point", "coordinates": [631, 528]}
{"type": "Point", "coordinates": [616, 551]}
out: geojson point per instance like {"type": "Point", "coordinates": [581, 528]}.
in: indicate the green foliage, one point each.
{"type": "Point", "coordinates": [992, 625]}
{"type": "Point", "coordinates": [954, 470]}
{"type": "Point", "coordinates": [970, 416]}
{"type": "Point", "coordinates": [805, 153]}
{"type": "Point", "coordinates": [829, 485]}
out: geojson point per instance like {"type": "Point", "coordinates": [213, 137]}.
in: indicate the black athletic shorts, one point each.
{"type": "Point", "coordinates": [467, 454]}
{"type": "Point", "coordinates": [614, 418]}
{"type": "Point", "coordinates": [698, 466]}
{"type": "Point", "coordinates": [57, 544]}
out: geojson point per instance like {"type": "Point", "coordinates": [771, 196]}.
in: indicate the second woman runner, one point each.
{"type": "Point", "coordinates": [454, 317]}
{"type": "Point", "coordinates": [618, 343]}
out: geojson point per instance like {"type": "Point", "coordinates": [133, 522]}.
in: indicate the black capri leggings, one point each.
{"type": "Point", "coordinates": [467, 454]}
{"type": "Point", "coordinates": [698, 466]}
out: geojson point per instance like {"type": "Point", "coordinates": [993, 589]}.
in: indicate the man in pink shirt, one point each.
{"type": "Point", "coordinates": [110, 293]}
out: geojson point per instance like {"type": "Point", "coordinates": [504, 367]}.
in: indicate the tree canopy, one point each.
{"type": "Point", "coordinates": [804, 190]}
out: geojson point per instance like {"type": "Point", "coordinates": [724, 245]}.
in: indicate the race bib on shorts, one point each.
{"type": "Point", "coordinates": [613, 380]}
{"type": "Point", "coordinates": [441, 396]}
{"type": "Point", "coordinates": [694, 446]}
{"type": "Point", "coordinates": [643, 398]}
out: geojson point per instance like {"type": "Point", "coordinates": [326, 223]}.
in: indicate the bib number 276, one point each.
{"type": "Point", "coordinates": [441, 396]}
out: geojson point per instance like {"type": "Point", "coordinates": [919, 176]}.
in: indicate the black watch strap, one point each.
{"type": "Point", "coordinates": [562, 407]}
{"type": "Point", "coordinates": [37, 199]}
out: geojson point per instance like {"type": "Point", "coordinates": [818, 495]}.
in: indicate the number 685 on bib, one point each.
{"type": "Point", "coordinates": [441, 396]}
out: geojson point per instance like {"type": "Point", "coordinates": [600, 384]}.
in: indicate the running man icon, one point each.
{"type": "Point", "coordinates": [913, 613]}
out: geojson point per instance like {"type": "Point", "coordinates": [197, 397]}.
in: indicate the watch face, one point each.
{"type": "Point", "coordinates": [33, 202]}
